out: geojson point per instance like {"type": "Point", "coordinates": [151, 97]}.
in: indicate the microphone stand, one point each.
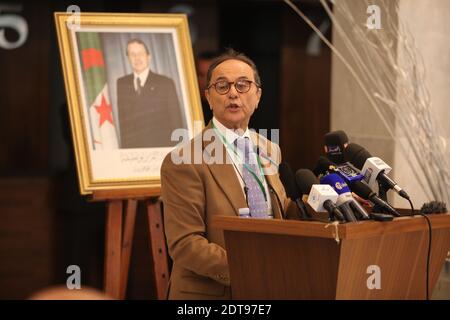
{"type": "Point", "coordinates": [382, 191]}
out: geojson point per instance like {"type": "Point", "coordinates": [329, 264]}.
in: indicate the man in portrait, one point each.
{"type": "Point", "coordinates": [148, 105]}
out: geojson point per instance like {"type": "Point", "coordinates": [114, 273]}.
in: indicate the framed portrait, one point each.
{"type": "Point", "coordinates": [131, 84]}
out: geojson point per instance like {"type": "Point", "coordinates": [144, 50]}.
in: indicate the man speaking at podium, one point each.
{"type": "Point", "coordinates": [194, 192]}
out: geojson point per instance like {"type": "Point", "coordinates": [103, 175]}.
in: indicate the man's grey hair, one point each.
{"type": "Point", "coordinates": [231, 54]}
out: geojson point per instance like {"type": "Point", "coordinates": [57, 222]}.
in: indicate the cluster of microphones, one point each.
{"type": "Point", "coordinates": [347, 171]}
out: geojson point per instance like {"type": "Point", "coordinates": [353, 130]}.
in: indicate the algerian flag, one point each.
{"type": "Point", "coordinates": [103, 128]}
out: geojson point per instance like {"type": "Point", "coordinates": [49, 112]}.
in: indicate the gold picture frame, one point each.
{"type": "Point", "coordinates": [110, 113]}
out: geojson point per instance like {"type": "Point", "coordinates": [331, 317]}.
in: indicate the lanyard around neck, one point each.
{"type": "Point", "coordinates": [234, 149]}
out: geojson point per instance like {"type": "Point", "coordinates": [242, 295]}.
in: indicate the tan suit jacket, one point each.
{"type": "Point", "coordinates": [192, 194]}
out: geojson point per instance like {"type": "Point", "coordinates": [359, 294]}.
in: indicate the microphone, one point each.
{"type": "Point", "coordinates": [320, 196]}
{"type": "Point", "coordinates": [353, 178]}
{"type": "Point", "coordinates": [345, 195]}
{"type": "Point", "coordinates": [374, 169]}
{"type": "Point", "coordinates": [347, 211]}
{"type": "Point", "coordinates": [335, 144]}
{"type": "Point", "coordinates": [365, 192]}
{"type": "Point", "coordinates": [288, 179]}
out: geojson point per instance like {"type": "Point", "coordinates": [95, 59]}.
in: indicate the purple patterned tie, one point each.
{"type": "Point", "coordinates": [255, 196]}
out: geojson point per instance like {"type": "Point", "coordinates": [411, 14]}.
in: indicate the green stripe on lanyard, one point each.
{"type": "Point", "coordinates": [230, 146]}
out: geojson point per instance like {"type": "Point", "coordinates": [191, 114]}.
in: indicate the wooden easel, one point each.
{"type": "Point", "coordinates": [119, 238]}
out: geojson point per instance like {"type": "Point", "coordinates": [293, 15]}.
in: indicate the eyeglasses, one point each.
{"type": "Point", "coordinates": [241, 86]}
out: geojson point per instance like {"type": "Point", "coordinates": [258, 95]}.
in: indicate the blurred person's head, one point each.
{"type": "Point", "coordinates": [203, 62]}
{"type": "Point", "coordinates": [63, 293]}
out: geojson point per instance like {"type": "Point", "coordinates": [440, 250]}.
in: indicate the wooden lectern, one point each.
{"type": "Point", "coordinates": [281, 259]}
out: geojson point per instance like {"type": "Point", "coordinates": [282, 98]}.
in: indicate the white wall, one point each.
{"type": "Point", "coordinates": [429, 23]}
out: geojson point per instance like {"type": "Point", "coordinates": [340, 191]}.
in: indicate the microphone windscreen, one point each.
{"type": "Point", "coordinates": [336, 137]}
{"type": "Point", "coordinates": [357, 155]}
{"type": "Point", "coordinates": [305, 178]}
{"type": "Point", "coordinates": [434, 207]}
{"type": "Point", "coordinates": [335, 142]}
{"type": "Point", "coordinates": [288, 179]}
{"type": "Point", "coordinates": [323, 164]}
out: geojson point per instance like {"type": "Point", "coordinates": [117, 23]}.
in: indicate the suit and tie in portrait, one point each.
{"type": "Point", "coordinates": [148, 104]}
